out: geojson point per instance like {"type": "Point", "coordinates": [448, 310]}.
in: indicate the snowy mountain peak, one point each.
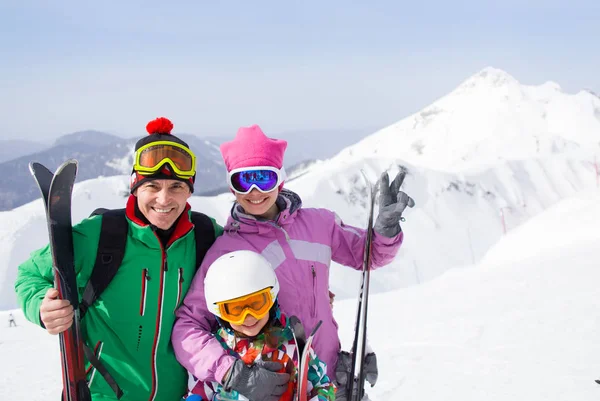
{"type": "Point", "coordinates": [488, 119]}
{"type": "Point", "coordinates": [489, 77]}
{"type": "Point", "coordinates": [550, 87]}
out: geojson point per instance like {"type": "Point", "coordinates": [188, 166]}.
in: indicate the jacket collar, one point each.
{"type": "Point", "coordinates": [288, 203]}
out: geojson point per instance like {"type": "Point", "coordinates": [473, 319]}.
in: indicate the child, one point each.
{"type": "Point", "coordinates": [241, 291]}
{"type": "Point", "coordinates": [300, 244]}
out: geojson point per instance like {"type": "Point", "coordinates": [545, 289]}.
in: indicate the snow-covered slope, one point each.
{"type": "Point", "coordinates": [522, 325]}
{"type": "Point", "coordinates": [458, 216]}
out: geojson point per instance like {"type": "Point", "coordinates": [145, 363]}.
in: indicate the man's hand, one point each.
{"type": "Point", "coordinates": [392, 203]}
{"type": "Point", "coordinates": [56, 314]}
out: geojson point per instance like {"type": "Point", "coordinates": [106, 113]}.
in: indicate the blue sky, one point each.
{"type": "Point", "coordinates": [287, 65]}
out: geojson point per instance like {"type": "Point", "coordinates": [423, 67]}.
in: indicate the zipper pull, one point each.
{"type": "Point", "coordinates": [313, 271]}
{"type": "Point", "coordinates": [181, 274]}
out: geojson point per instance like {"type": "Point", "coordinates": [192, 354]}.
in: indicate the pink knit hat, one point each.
{"type": "Point", "coordinates": [252, 148]}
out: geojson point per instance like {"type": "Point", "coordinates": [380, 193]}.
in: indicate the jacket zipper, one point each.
{"type": "Point", "coordinates": [287, 237]}
{"type": "Point", "coordinates": [157, 329]}
{"type": "Point", "coordinates": [314, 278]}
{"type": "Point", "coordinates": [145, 279]}
{"type": "Point", "coordinates": [179, 286]}
{"type": "Point", "coordinates": [274, 224]}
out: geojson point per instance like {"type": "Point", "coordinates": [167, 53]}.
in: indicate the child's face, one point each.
{"type": "Point", "coordinates": [260, 204]}
{"type": "Point", "coordinates": [251, 326]}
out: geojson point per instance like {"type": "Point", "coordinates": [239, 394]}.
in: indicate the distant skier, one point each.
{"type": "Point", "coordinates": [11, 320]}
{"type": "Point", "coordinates": [597, 381]}
{"type": "Point", "coordinates": [300, 243]}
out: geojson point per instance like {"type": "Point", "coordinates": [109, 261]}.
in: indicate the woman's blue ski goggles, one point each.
{"type": "Point", "coordinates": [264, 178]}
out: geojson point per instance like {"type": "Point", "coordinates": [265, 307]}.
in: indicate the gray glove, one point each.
{"type": "Point", "coordinates": [392, 203]}
{"type": "Point", "coordinates": [342, 372]}
{"type": "Point", "coordinates": [371, 371]}
{"type": "Point", "coordinates": [258, 382]}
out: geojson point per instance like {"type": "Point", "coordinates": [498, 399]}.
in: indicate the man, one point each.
{"type": "Point", "coordinates": [129, 326]}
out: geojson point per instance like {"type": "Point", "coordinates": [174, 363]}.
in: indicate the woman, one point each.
{"type": "Point", "coordinates": [300, 244]}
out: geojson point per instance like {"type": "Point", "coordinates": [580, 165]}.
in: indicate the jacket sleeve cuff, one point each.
{"type": "Point", "coordinates": [382, 239]}
{"type": "Point", "coordinates": [32, 312]}
{"type": "Point", "coordinates": [224, 365]}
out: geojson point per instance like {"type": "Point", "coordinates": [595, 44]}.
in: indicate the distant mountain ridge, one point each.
{"type": "Point", "coordinates": [103, 154]}
{"type": "Point", "coordinates": [99, 154]}
{"type": "Point", "coordinates": [90, 137]}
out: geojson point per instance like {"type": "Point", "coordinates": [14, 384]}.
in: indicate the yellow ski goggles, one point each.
{"type": "Point", "coordinates": [256, 304]}
{"type": "Point", "coordinates": [152, 156]}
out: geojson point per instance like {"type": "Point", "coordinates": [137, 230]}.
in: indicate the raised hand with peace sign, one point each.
{"type": "Point", "coordinates": [392, 203]}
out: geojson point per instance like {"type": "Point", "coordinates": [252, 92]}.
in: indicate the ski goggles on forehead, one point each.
{"type": "Point", "coordinates": [263, 178]}
{"type": "Point", "coordinates": [151, 157]}
{"type": "Point", "coordinates": [256, 304]}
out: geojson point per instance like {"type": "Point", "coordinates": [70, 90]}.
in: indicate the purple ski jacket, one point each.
{"type": "Point", "coordinates": [300, 246]}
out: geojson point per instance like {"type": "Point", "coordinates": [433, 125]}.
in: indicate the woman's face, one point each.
{"type": "Point", "coordinates": [259, 204]}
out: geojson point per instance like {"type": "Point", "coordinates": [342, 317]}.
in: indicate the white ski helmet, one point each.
{"type": "Point", "coordinates": [237, 274]}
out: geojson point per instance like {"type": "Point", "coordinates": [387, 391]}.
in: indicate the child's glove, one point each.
{"type": "Point", "coordinates": [257, 382]}
{"type": "Point", "coordinates": [392, 203]}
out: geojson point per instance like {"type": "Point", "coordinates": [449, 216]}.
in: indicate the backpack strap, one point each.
{"type": "Point", "coordinates": [111, 250]}
{"type": "Point", "coordinates": [100, 368]}
{"type": "Point", "coordinates": [204, 231]}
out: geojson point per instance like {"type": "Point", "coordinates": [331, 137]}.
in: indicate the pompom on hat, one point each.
{"type": "Point", "coordinates": [252, 148]}
{"type": "Point", "coordinates": [159, 129]}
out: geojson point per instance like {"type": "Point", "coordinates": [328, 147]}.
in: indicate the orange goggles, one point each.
{"type": "Point", "coordinates": [256, 304]}
{"type": "Point", "coordinates": [151, 157]}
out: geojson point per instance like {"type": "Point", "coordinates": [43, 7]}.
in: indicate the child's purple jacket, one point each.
{"type": "Point", "coordinates": [300, 245]}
